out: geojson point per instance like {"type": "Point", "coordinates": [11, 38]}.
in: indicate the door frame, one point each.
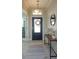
{"type": "Point", "coordinates": [42, 27]}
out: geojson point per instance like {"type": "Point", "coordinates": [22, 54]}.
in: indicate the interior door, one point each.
{"type": "Point", "coordinates": [36, 28]}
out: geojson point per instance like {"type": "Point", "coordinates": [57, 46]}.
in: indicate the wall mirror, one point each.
{"type": "Point", "coordinates": [52, 20]}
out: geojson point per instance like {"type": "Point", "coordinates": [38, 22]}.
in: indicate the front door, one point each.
{"type": "Point", "coordinates": [36, 28]}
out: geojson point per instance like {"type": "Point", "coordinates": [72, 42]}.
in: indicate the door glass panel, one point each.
{"type": "Point", "coordinates": [37, 26]}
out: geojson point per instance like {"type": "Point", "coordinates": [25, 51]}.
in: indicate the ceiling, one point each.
{"type": "Point", "coordinates": [43, 4]}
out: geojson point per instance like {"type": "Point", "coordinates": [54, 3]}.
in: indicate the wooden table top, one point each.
{"type": "Point", "coordinates": [50, 37]}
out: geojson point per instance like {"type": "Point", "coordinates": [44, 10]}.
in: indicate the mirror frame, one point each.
{"type": "Point", "coordinates": [54, 19]}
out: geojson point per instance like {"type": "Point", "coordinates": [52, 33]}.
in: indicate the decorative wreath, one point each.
{"type": "Point", "coordinates": [37, 22]}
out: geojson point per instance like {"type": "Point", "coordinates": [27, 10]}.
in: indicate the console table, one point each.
{"type": "Point", "coordinates": [50, 40]}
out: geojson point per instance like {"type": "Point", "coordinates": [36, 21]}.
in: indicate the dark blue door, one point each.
{"type": "Point", "coordinates": [36, 28]}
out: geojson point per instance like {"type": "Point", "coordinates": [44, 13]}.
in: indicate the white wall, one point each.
{"type": "Point", "coordinates": [53, 10]}
{"type": "Point", "coordinates": [25, 18]}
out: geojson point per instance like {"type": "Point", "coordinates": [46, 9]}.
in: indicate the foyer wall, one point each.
{"type": "Point", "coordinates": [51, 11]}
{"type": "Point", "coordinates": [25, 24]}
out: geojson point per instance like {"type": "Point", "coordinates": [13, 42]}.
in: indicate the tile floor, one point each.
{"type": "Point", "coordinates": [35, 50]}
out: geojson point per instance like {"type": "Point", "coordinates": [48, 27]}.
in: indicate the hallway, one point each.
{"type": "Point", "coordinates": [39, 25]}
{"type": "Point", "coordinates": [35, 50]}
